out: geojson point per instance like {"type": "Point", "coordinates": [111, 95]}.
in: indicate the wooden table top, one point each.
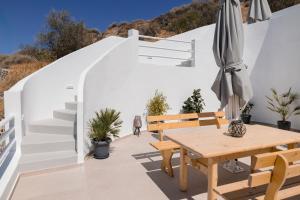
{"type": "Point", "coordinates": [211, 142]}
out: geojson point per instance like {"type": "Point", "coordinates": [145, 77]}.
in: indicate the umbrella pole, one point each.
{"type": "Point", "coordinates": [232, 112]}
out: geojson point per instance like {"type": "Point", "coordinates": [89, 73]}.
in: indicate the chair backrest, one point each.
{"type": "Point", "coordinates": [284, 168]}
{"type": "Point", "coordinates": [163, 122]}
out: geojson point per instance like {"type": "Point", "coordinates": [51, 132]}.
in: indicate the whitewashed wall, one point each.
{"type": "Point", "coordinates": [271, 53]}
{"type": "Point", "coordinates": [118, 83]}
{"type": "Point", "coordinates": [278, 63]}
{"type": "Point", "coordinates": [110, 74]}
{"type": "Point", "coordinates": [45, 90]}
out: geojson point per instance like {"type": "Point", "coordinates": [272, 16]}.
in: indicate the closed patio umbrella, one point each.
{"type": "Point", "coordinates": [232, 85]}
{"type": "Point", "coordinates": [259, 11]}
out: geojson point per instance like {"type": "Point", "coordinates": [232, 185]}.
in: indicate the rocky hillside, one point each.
{"type": "Point", "coordinates": [185, 18]}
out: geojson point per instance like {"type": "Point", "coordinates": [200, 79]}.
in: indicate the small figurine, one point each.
{"type": "Point", "coordinates": [137, 125]}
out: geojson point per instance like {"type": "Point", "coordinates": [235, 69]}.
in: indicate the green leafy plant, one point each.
{"type": "Point", "coordinates": [107, 123]}
{"type": "Point", "coordinates": [282, 104]}
{"type": "Point", "coordinates": [157, 105]}
{"type": "Point", "coordinates": [247, 109]}
{"type": "Point", "coordinates": [194, 104]}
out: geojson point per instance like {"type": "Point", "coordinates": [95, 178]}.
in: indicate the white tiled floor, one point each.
{"type": "Point", "coordinates": [131, 172]}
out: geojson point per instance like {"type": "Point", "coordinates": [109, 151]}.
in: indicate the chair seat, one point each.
{"type": "Point", "coordinates": [287, 192]}
{"type": "Point", "coordinates": [165, 145]}
{"type": "Point", "coordinates": [241, 190]}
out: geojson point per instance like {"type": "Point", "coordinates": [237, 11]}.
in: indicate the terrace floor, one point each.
{"type": "Point", "coordinates": [131, 172]}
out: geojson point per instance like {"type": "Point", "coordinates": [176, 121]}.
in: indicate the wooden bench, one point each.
{"type": "Point", "coordinates": [267, 184]}
{"type": "Point", "coordinates": [164, 122]}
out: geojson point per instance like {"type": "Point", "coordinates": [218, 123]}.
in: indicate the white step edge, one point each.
{"type": "Point", "coordinates": [37, 143]}
{"type": "Point", "coordinates": [52, 126]}
{"type": "Point", "coordinates": [64, 114]}
{"type": "Point", "coordinates": [71, 105]}
{"type": "Point", "coordinates": [40, 162]}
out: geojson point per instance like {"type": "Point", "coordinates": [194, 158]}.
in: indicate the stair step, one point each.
{"type": "Point", "coordinates": [69, 115]}
{"type": "Point", "coordinates": [42, 161]}
{"type": "Point", "coordinates": [52, 126]}
{"type": "Point", "coordinates": [41, 142]}
{"type": "Point", "coordinates": [71, 105]}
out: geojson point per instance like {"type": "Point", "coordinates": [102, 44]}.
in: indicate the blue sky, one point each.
{"type": "Point", "coordinates": [21, 20]}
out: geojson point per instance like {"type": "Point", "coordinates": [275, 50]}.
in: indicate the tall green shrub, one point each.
{"type": "Point", "coordinates": [63, 35]}
{"type": "Point", "coordinates": [194, 104]}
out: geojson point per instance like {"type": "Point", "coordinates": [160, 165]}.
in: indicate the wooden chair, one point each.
{"type": "Point", "coordinates": [164, 122]}
{"type": "Point", "coordinates": [267, 184]}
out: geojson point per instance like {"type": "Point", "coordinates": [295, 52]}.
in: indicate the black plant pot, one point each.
{"type": "Point", "coordinates": [101, 150]}
{"type": "Point", "coordinates": [246, 118]}
{"type": "Point", "coordinates": [285, 125]}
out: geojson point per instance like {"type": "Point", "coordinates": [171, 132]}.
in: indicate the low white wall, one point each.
{"type": "Point", "coordinates": [45, 90]}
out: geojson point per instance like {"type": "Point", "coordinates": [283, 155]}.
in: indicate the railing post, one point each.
{"type": "Point", "coordinates": [134, 36]}
{"type": "Point", "coordinates": [133, 33]}
{"type": "Point", "coordinates": [193, 53]}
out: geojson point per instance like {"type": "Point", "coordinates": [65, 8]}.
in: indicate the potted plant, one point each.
{"type": "Point", "coordinates": [282, 104]}
{"type": "Point", "coordinates": [103, 126]}
{"type": "Point", "coordinates": [194, 104]}
{"type": "Point", "coordinates": [157, 105]}
{"type": "Point", "coordinates": [245, 116]}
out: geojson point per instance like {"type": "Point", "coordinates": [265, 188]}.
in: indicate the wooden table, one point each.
{"type": "Point", "coordinates": [214, 145]}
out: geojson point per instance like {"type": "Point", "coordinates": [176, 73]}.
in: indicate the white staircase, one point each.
{"type": "Point", "coordinates": [50, 143]}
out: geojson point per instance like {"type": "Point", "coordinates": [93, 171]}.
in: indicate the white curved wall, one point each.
{"type": "Point", "coordinates": [45, 90]}
{"type": "Point", "coordinates": [103, 85]}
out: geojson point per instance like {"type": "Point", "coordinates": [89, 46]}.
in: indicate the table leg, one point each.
{"type": "Point", "coordinates": [183, 177]}
{"type": "Point", "coordinates": [292, 146]}
{"type": "Point", "coordinates": [252, 165]}
{"type": "Point", "coordinates": [166, 164]}
{"type": "Point", "coordinates": [212, 177]}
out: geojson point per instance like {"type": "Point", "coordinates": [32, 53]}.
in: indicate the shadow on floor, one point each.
{"type": "Point", "coordinates": [197, 181]}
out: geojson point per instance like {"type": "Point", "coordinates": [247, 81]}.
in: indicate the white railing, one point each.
{"type": "Point", "coordinates": [9, 157]}
{"type": "Point", "coordinates": [7, 139]}
{"type": "Point", "coordinates": [188, 48]}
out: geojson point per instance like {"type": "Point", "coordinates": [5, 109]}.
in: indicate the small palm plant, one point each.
{"type": "Point", "coordinates": [105, 125]}
{"type": "Point", "coordinates": [157, 105]}
{"type": "Point", "coordinates": [282, 104]}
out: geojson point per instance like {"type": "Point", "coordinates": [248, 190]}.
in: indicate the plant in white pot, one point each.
{"type": "Point", "coordinates": [103, 126]}
{"type": "Point", "coordinates": [284, 105]}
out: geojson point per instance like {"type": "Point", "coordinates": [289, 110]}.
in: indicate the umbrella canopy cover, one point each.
{"type": "Point", "coordinates": [259, 11]}
{"type": "Point", "coordinates": [228, 46]}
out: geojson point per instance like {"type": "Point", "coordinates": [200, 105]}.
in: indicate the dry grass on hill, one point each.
{"type": "Point", "coordinates": [16, 73]}
{"type": "Point", "coordinates": [7, 60]}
